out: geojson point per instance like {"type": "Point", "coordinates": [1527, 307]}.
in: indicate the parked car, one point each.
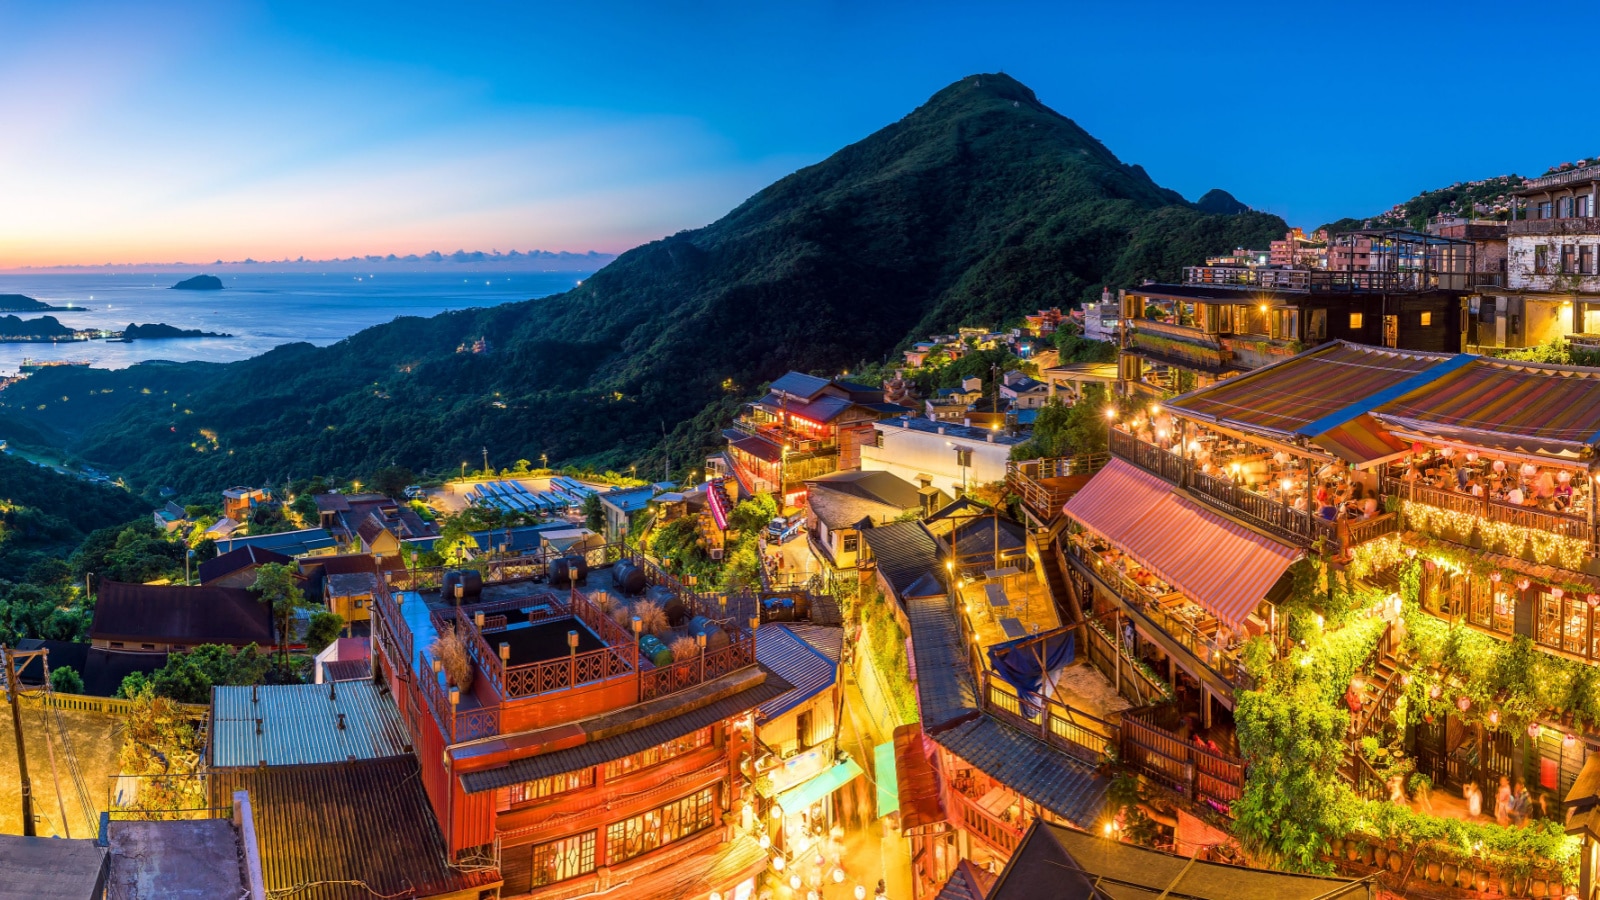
{"type": "Point", "coordinates": [783, 528]}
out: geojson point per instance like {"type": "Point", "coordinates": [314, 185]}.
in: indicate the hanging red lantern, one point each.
{"type": "Point", "coordinates": [1533, 729]}
{"type": "Point", "coordinates": [1462, 703]}
{"type": "Point", "coordinates": [1522, 584]}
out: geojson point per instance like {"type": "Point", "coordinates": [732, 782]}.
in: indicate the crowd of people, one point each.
{"type": "Point", "coordinates": [1525, 484]}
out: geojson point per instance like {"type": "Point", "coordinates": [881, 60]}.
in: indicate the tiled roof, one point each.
{"type": "Point", "coordinates": [966, 883]}
{"type": "Point", "coordinates": [353, 584]}
{"type": "Point", "coordinates": [179, 614]}
{"type": "Point", "coordinates": [759, 447]}
{"type": "Point", "coordinates": [800, 384]}
{"type": "Point", "coordinates": [301, 724]}
{"type": "Point", "coordinates": [794, 660]}
{"type": "Point", "coordinates": [822, 409]}
{"type": "Point", "coordinates": [843, 499]}
{"type": "Point", "coordinates": [604, 750]}
{"type": "Point", "coordinates": [348, 831]}
{"type": "Point", "coordinates": [905, 551]}
{"type": "Point", "coordinates": [948, 700]}
{"type": "Point", "coordinates": [234, 560]}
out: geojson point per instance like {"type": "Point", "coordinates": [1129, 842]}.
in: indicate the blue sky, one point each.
{"type": "Point", "coordinates": [190, 132]}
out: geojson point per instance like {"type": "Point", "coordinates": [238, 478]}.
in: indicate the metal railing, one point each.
{"type": "Point", "coordinates": [1072, 731]}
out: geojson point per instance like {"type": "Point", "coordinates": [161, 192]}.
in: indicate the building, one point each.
{"type": "Point", "coordinates": [170, 517]}
{"type": "Point", "coordinates": [237, 568]}
{"type": "Point", "coordinates": [621, 508]}
{"type": "Point", "coordinates": [839, 505]}
{"type": "Point", "coordinates": [588, 764]}
{"type": "Point", "coordinates": [1222, 320]}
{"type": "Point", "coordinates": [1045, 321]}
{"type": "Point", "coordinates": [1295, 251]}
{"type": "Point", "coordinates": [1024, 392]}
{"type": "Point", "coordinates": [239, 503]}
{"type": "Point", "coordinates": [1551, 290]}
{"type": "Point", "coordinates": [52, 868]}
{"type": "Point", "coordinates": [947, 456]}
{"type": "Point", "coordinates": [101, 670]}
{"type": "Point", "coordinates": [163, 618]}
{"type": "Point", "coordinates": [370, 523]}
{"type": "Point", "coordinates": [350, 597]}
{"type": "Point", "coordinates": [290, 543]}
{"type": "Point", "coordinates": [803, 427]}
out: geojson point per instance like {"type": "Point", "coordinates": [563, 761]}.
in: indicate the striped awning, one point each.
{"type": "Point", "coordinates": [1218, 563]}
{"type": "Point", "coordinates": [1361, 442]}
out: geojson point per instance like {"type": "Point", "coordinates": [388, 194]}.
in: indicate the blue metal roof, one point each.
{"type": "Point", "coordinates": [795, 661]}
{"type": "Point", "coordinates": [293, 543]}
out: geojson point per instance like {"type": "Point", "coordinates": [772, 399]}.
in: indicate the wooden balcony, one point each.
{"type": "Point", "coordinates": [1565, 525]}
{"type": "Point", "coordinates": [1569, 225]}
{"type": "Point", "coordinates": [1215, 779]}
{"type": "Point", "coordinates": [1003, 837]}
{"type": "Point", "coordinates": [1046, 484]}
{"type": "Point", "coordinates": [1269, 515]}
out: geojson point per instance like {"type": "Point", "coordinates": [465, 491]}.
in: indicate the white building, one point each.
{"type": "Point", "coordinates": [944, 455]}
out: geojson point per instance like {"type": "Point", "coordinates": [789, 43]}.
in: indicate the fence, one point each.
{"type": "Point", "coordinates": [1213, 778]}
{"type": "Point", "coordinates": [1115, 662]}
{"type": "Point", "coordinates": [1549, 521]}
{"type": "Point", "coordinates": [1077, 733]}
{"type": "Point", "coordinates": [113, 706]}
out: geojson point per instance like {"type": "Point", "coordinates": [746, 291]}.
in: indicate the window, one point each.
{"type": "Point", "coordinates": [877, 438]}
{"type": "Point", "coordinates": [1492, 606]}
{"type": "Point", "coordinates": [1541, 260]}
{"type": "Point", "coordinates": [1426, 320]}
{"type": "Point", "coordinates": [1580, 207]}
{"type": "Point", "coordinates": [659, 827]}
{"type": "Point", "coordinates": [559, 860]}
{"type": "Point", "coordinates": [1355, 321]}
{"type": "Point", "coordinates": [1564, 207]}
{"type": "Point", "coordinates": [1586, 259]}
{"type": "Point", "coordinates": [549, 786]}
{"type": "Point", "coordinates": [852, 543]}
{"type": "Point", "coordinates": [1547, 630]}
{"type": "Point", "coordinates": [963, 457]}
{"type": "Point", "coordinates": [1286, 324]}
{"type": "Point", "coordinates": [660, 753]}
{"type": "Point", "coordinates": [1569, 258]}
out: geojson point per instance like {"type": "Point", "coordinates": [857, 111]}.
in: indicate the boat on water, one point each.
{"type": "Point", "coordinates": [33, 365]}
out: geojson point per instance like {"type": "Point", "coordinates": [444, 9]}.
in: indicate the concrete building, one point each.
{"type": "Point", "coordinates": [1552, 273]}
{"type": "Point", "coordinates": [944, 455]}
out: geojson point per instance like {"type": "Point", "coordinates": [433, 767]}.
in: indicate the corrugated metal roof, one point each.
{"type": "Point", "coordinates": [1361, 442]}
{"type": "Point", "coordinates": [824, 638]}
{"type": "Point", "coordinates": [605, 750]}
{"type": "Point", "coordinates": [1509, 405]}
{"type": "Point", "coordinates": [298, 724]}
{"type": "Point", "coordinates": [905, 551]}
{"type": "Point", "coordinates": [180, 614]}
{"type": "Point", "coordinates": [348, 831]}
{"type": "Point", "coordinates": [947, 697]}
{"type": "Point", "coordinates": [800, 384]}
{"type": "Point", "coordinates": [1214, 561]}
{"type": "Point", "coordinates": [797, 662]}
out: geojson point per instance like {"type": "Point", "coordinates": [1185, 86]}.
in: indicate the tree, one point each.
{"type": "Point", "coordinates": [455, 539]}
{"type": "Point", "coordinates": [189, 677]}
{"type": "Point", "coordinates": [65, 680]}
{"type": "Point", "coordinates": [275, 586]}
{"type": "Point", "coordinates": [1292, 794]}
{"type": "Point", "coordinates": [162, 743]}
{"type": "Point", "coordinates": [325, 628]}
{"type": "Point", "coordinates": [392, 481]}
{"type": "Point", "coordinates": [594, 515]}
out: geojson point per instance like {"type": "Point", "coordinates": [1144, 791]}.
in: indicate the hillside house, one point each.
{"type": "Point", "coordinates": [840, 504]}
{"type": "Point", "coordinates": [163, 618]}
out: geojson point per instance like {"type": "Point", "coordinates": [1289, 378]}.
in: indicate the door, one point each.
{"type": "Point", "coordinates": [1391, 331]}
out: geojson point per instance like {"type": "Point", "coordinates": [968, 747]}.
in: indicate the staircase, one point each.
{"type": "Point", "coordinates": [1380, 691]}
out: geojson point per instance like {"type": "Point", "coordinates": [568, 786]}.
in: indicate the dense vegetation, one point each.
{"type": "Point", "coordinates": [978, 206]}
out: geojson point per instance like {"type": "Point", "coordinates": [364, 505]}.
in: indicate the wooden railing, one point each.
{"type": "Point", "coordinates": [1077, 733]}
{"type": "Point", "coordinates": [111, 706]}
{"type": "Point", "coordinates": [1549, 521]}
{"type": "Point", "coordinates": [1355, 532]}
{"type": "Point", "coordinates": [1027, 479]}
{"type": "Point", "coordinates": [659, 681]}
{"type": "Point", "coordinates": [1205, 777]}
{"type": "Point", "coordinates": [997, 833]}
{"type": "Point", "coordinates": [1115, 662]}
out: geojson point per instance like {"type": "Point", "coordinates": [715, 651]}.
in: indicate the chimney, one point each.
{"type": "Point", "coordinates": [341, 721]}
{"type": "Point", "coordinates": [990, 435]}
{"type": "Point", "coordinates": [941, 429]}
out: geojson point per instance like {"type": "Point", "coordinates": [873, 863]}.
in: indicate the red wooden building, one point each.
{"type": "Point", "coordinates": [577, 762]}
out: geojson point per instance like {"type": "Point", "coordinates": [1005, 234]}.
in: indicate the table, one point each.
{"type": "Point", "coordinates": [1013, 627]}
{"type": "Point", "coordinates": [997, 597]}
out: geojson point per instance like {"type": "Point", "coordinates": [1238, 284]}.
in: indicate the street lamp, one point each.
{"type": "Point", "coordinates": [544, 460]}
{"type": "Point", "coordinates": [463, 470]}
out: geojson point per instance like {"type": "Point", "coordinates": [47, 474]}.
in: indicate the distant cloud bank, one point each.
{"type": "Point", "coordinates": [515, 260]}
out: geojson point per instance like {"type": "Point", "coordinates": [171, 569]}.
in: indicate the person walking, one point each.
{"type": "Point", "coordinates": [1502, 802]}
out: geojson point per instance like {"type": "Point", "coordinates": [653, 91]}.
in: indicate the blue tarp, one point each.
{"type": "Point", "coordinates": [1020, 667]}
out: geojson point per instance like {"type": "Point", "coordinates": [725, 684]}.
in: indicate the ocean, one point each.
{"type": "Point", "coordinates": [259, 310]}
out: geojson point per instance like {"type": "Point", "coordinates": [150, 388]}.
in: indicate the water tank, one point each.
{"type": "Point", "coordinates": [568, 570]}
{"type": "Point", "coordinates": [469, 580]}
{"type": "Point", "coordinates": [716, 638]}
{"type": "Point", "coordinates": [628, 577]}
{"type": "Point", "coordinates": [676, 612]}
{"type": "Point", "coordinates": [651, 648]}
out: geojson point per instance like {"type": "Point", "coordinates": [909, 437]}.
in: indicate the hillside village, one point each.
{"type": "Point", "coordinates": [1280, 578]}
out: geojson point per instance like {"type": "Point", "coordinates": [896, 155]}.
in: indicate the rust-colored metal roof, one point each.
{"type": "Point", "coordinates": [1285, 397]}
{"type": "Point", "coordinates": [1527, 407]}
{"type": "Point", "coordinates": [1218, 563]}
{"type": "Point", "coordinates": [919, 787]}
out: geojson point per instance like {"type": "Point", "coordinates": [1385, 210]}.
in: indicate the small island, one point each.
{"type": "Point", "coordinates": [162, 330]}
{"type": "Point", "coordinates": [199, 283]}
{"type": "Point", "coordinates": [13, 303]}
{"type": "Point", "coordinates": [45, 328]}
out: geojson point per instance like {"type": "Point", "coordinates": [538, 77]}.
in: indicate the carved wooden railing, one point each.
{"type": "Point", "coordinates": [1550, 521]}
{"type": "Point", "coordinates": [1027, 479]}
{"type": "Point", "coordinates": [686, 673]}
{"type": "Point", "coordinates": [1075, 732]}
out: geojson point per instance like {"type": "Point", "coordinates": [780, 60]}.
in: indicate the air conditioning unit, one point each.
{"type": "Point", "coordinates": [716, 552]}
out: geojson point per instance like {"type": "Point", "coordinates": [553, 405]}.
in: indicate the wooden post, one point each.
{"type": "Point", "coordinates": [14, 691]}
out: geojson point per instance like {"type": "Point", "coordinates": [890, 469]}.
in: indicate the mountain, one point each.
{"type": "Point", "coordinates": [981, 205]}
{"type": "Point", "coordinates": [162, 330]}
{"type": "Point", "coordinates": [1218, 202]}
{"type": "Point", "coordinates": [44, 327]}
{"type": "Point", "coordinates": [199, 283]}
{"type": "Point", "coordinates": [10, 303]}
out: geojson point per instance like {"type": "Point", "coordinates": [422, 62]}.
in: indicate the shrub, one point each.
{"type": "Point", "coordinates": [450, 648]}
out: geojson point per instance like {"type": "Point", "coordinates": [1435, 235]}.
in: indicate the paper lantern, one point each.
{"type": "Point", "coordinates": [1448, 452]}
{"type": "Point", "coordinates": [1435, 691]}
{"type": "Point", "coordinates": [838, 875]}
{"type": "Point", "coordinates": [1557, 592]}
{"type": "Point", "coordinates": [1529, 470]}
{"type": "Point", "coordinates": [1463, 704]}
{"type": "Point", "coordinates": [1499, 467]}
{"type": "Point", "coordinates": [1515, 497]}
{"type": "Point", "coordinates": [1569, 741]}
{"type": "Point", "coordinates": [1411, 553]}
{"type": "Point", "coordinates": [1564, 477]}
{"type": "Point", "coordinates": [1533, 729]}
{"type": "Point", "coordinates": [1494, 717]}
{"type": "Point", "coordinates": [1472, 456]}
{"type": "Point", "coordinates": [1494, 577]}
{"type": "Point", "coordinates": [1593, 600]}
{"type": "Point", "coordinates": [794, 882]}
{"type": "Point", "coordinates": [1522, 584]}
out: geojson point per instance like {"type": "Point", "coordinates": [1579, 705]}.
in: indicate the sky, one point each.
{"type": "Point", "coordinates": [162, 132]}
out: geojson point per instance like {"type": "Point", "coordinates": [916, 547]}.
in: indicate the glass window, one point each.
{"type": "Point", "coordinates": [1548, 627]}
{"type": "Point", "coordinates": [559, 860]}
{"type": "Point", "coordinates": [551, 785]}
{"type": "Point", "coordinates": [851, 542]}
{"type": "Point", "coordinates": [659, 827]}
{"type": "Point", "coordinates": [1426, 320]}
{"type": "Point", "coordinates": [660, 753]}
{"type": "Point", "coordinates": [1574, 625]}
{"type": "Point", "coordinates": [1355, 321]}
{"type": "Point", "coordinates": [1317, 325]}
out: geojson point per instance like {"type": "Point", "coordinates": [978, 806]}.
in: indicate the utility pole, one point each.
{"type": "Point", "coordinates": [14, 690]}
{"type": "Point", "coordinates": [486, 459]}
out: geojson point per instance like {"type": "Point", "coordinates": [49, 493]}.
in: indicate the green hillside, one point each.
{"type": "Point", "coordinates": [977, 207]}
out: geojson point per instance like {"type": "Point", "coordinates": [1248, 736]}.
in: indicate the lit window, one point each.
{"type": "Point", "coordinates": [1427, 319]}
{"type": "Point", "coordinates": [566, 858]}
{"type": "Point", "coordinates": [659, 827]}
{"type": "Point", "coordinates": [1355, 321]}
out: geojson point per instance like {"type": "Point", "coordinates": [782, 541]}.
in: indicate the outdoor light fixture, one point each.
{"type": "Point", "coordinates": [838, 875]}
{"type": "Point", "coordinates": [1111, 413]}
{"type": "Point", "coordinates": [1463, 703]}
{"type": "Point", "coordinates": [1155, 410]}
{"type": "Point", "coordinates": [861, 892]}
{"type": "Point", "coordinates": [777, 863]}
{"type": "Point", "coordinates": [794, 882]}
